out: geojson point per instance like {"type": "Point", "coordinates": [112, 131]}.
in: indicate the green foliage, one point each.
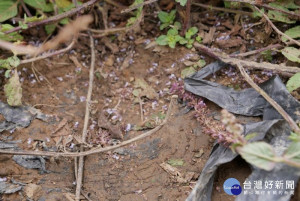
{"type": "Point", "coordinates": [279, 16]}
{"type": "Point", "coordinates": [294, 137]}
{"type": "Point", "coordinates": [293, 152]}
{"type": "Point", "coordinates": [259, 154]}
{"type": "Point", "coordinates": [293, 33]}
{"type": "Point", "coordinates": [267, 54]}
{"type": "Point", "coordinates": [13, 90]}
{"type": "Point", "coordinates": [229, 4]}
{"type": "Point", "coordinates": [9, 37]}
{"type": "Point", "coordinates": [170, 39]}
{"type": "Point", "coordinates": [293, 83]}
{"type": "Point", "coordinates": [40, 5]}
{"type": "Point", "coordinates": [182, 2]}
{"type": "Point", "coordinates": [166, 19]}
{"type": "Point", "coordinates": [33, 18]}
{"type": "Point", "coordinates": [291, 53]}
{"type": "Point", "coordinates": [188, 41]}
{"type": "Point", "coordinates": [8, 9]}
{"type": "Point", "coordinates": [175, 162]}
{"type": "Point", "coordinates": [10, 62]}
{"type": "Point", "coordinates": [187, 72]}
{"type": "Point", "coordinates": [138, 13]}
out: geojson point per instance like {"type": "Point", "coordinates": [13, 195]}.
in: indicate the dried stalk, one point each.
{"type": "Point", "coordinates": [240, 64]}
{"type": "Point", "coordinates": [86, 121]}
{"type": "Point", "coordinates": [276, 29]}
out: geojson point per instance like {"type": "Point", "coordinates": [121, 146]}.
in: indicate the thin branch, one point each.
{"type": "Point", "coordinates": [55, 18]}
{"type": "Point", "coordinates": [240, 64]}
{"type": "Point", "coordinates": [26, 9]}
{"type": "Point", "coordinates": [253, 3]}
{"type": "Point", "coordinates": [131, 8]}
{"type": "Point", "coordinates": [276, 29]}
{"type": "Point", "coordinates": [115, 30]}
{"type": "Point", "coordinates": [49, 54]}
{"type": "Point", "coordinates": [86, 121]}
{"type": "Point", "coordinates": [279, 109]}
{"type": "Point", "coordinates": [249, 64]}
{"type": "Point", "coordinates": [209, 7]}
{"type": "Point", "coordinates": [96, 150]}
{"type": "Point", "coordinates": [270, 47]}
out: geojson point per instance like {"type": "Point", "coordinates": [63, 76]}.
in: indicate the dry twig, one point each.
{"type": "Point", "coordinates": [240, 64]}
{"type": "Point", "coordinates": [86, 120]}
{"type": "Point", "coordinates": [250, 64]}
{"type": "Point", "coordinates": [276, 29]}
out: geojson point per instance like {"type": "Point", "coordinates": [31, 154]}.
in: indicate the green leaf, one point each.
{"type": "Point", "coordinates": [165, 17]}
{"type": "Point", "coordinates": [23, 25]}
{"type": "Point", "coordinates": [50, 28]}
{"type": "Point", "coordinates": [163, 26]}
{"type": "Point", "coordinates": [13, 90]}
{"type": "Point", "coordinates": [201, 63]}
{"type": "Point", "coordinates": [8, 9]}
{"type": "Point", "coordinates": [187, 72]}
{"type": "Point", "coordinates": [228, 4]}
{"type": "Point", "coordinates": [279, 16]}
{"type": "Point", "coordinates": [192, 31]}
{"type": "Point", "coordinates": [292, 54]}
{"type": "Point", "coordinates": [172, 32]}
{"type": "Point", "coordinates": [183, 41]}
{"type": "Point", "coordinates": [250, 136]}
{"type": "Point", "coordinates": [40, 4]}
{"type": "Point", "coordinates": [172, 43]}
{"type": "Point", "coordinates": [290, 4]}
{"type": "Point", "coordinates": [177, 25]}
{"type": "Point", "coordinates": [256, 14]}
{"type": "Point", "coordinates": [34, 18]}
{"type": "Point", "coordinates": [162, 40]}
{"type": "Point", "coordinates": [182, 2]}
{"type": "Point", "coordinates": [293, 33]}
{"type": "Point", "coordinates": [293, 83]}
{"type": "Point", "coordinates": [259, 154]}
{"type": "Point", "coordinates": [10, 62]}
{"type": "Point", "coordinates": [294, 137]}
{"type": "Point", "coordinates": [175, 162]}
{"type": "Point", "coordinates": [293, 152]}
{"type": "Point", "coordinates": [11, 36]}
{"type": "Point", "coordinates": [267, 54]}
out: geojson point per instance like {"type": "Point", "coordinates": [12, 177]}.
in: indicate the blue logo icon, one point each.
{"type": "Point", "coordinates": [232, 186]}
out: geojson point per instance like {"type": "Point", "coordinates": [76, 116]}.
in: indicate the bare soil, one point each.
{"type": "Point", "coordinates": [132, 172]}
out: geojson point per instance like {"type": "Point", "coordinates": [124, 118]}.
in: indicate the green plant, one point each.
{"type": "Point", "coordinates": [137, 13]}
{"type": "Point", "coordinates": [166, 19]}
{"type": "Point", "coordinates": [170, 39]}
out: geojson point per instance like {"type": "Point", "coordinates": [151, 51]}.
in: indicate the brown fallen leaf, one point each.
{"type": "Point", "coordinates": [208, 37]}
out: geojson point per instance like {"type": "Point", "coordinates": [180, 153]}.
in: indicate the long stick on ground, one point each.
{"type": "Point", "coordinates": [86, 121]}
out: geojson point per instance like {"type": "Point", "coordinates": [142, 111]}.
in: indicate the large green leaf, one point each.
{"type": "Point", "coordinates": [10, 62]}
{"type": "Point", "coordinates": [182, 2]}
{"type": "Point", "coordinates": [8, 9]}
{"type": "Point", "coordinates": [279, 16]}
{"type": "Point", "coordinates": [40, 4]}
{"type": "Point", "coordinates": [292, 32]}
{"type": "Point", "coordinates": [13, 90]}
{"type": "Point", "coordinates": [259, 154]}
{"type": "Point", "coordinates": [9, 37]}
{"type": "Point", "coordinates": [292, 54]}
{"type": "Point", "coordinates": [293, 152]}
{"type": "Point", "coordinates": [293, 83]}
{"type": "Point", "coordinates": [290, 4]}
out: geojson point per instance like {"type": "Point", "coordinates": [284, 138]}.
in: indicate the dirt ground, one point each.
{"type": "Point", "coordinates": [132, 172]}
